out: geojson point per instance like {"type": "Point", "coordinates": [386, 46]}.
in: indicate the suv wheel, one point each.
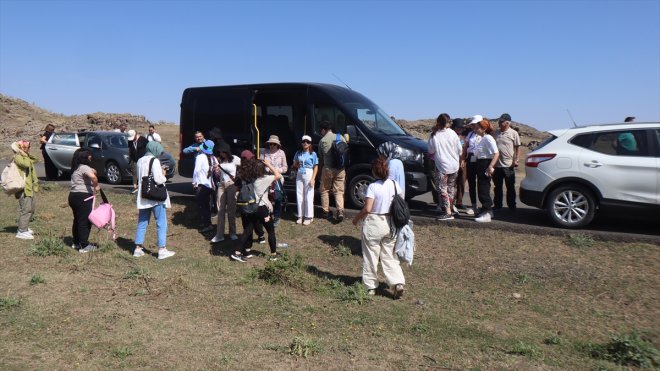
{"type": "Point", "coordinates": [357, 189]}
{"type": "Point", "coordinates": [571, 206]}
{"type": "Point", "coordinates": [112, 173]}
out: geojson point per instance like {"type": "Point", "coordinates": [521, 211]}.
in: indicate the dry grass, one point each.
{"type": "Point", "coordinates": [474, 299]}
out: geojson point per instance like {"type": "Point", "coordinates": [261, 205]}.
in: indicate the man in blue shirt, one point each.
{"type": "Point", "coordinates": [195, 147]}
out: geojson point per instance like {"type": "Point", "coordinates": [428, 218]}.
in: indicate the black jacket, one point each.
{"type": "Point", "coordinates": [137, 149]}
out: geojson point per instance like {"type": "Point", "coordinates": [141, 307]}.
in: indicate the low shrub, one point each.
{"type": "Point", "coordinates": [304, 347]}
{"type": "Point", "coordinates": [628, 350]}
{"type": "Point", "coordinates": [37, 279]}
{"type": "Point", "coordinates": [580, 240]}
{"type": "Point", "coordinates": [49, 245]}
{"type": "Point", "coordinates": [356, 293]}
{"type": "Point", "coordinates": [285, 271]}
{"type": "Point", "coordinates": [8, 303]}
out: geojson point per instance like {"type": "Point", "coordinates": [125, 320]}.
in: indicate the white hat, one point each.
{"type": "Point", "coordinates": [131, 134]}
{"type": "Point", "coordinates": [307, 137]}
{"type": "Point", "coordinates": [476, 119]}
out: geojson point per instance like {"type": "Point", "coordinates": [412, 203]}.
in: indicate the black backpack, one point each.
{"type": "Point", "coordinates": [246, 201]}
{"type": "Point", "coordinates": [339, 151]}
{"type": "Point", "coordinates": [399, 211]}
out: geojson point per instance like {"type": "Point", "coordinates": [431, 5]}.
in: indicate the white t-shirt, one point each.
{"type": "Point", "coordinates": [154, 136]}
{"type": "Point", "coordinates": [382, 193]}
{"type": "Point", "coordinates": [473, 140]}
{"type": "Point", "coordinates": [260, 187]}
{"type": "Point", "coordinates": [142, 171]}
{"type": "Point", "coordinates": [230, 168]}
{"type": "Point", "coordinates": [445, 145]}
{"type": "Point", "coordinates": [487, 147]}
{"type": "Point", "coordinates": [201, 172]}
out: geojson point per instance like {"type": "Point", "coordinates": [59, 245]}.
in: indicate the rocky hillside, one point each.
{"type": "Point", "coordinates": [422, 129]}
{"type": "Point", "coordinates": [20, 119]}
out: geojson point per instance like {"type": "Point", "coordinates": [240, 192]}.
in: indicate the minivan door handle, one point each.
{"type": "Point", "coordinates": [593, 164]}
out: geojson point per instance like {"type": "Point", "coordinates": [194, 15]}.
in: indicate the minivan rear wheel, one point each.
{"type": "Point", "coordinates": [571, 206]}
{"type": "Point", "coordinates": [357, 189]}
{"type": "Point", "coordinates": [113, 173]}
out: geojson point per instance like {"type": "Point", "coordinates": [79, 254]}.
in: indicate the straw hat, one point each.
{"type": "Point", "coordinates": [274, 139]}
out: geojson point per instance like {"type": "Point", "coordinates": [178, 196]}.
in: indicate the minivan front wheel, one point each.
{"type": "Point", "coordinates": [357, 189]}
{"type": "Point", "coordinates": [571, 206]}
{"type": "Point", "coordinates": [113, 173]}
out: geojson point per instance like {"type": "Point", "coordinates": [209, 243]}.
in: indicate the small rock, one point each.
{"type": "Point", "coordinates": [516, 295]}
{"type": "Point", "coordinates": [419, 302]}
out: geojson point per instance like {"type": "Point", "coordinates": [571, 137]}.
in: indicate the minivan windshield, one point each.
{"type": "Point", "coordinates": [375, 118]}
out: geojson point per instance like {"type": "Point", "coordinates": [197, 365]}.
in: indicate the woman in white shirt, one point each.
{"type": "Point", "coordinates": [226, 196]}
{"type": "Point", "coordinates": [306, 163]}
{"type": "Point", "coordinates": [487, 154]}
{"type": "Point", "coordinates": [146, 207]}
{"type": "Point", "coordinates": [377, 243]}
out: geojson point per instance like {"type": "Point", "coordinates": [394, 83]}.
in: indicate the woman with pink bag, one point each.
{"type": "Point", "coordinates": [84, 184]}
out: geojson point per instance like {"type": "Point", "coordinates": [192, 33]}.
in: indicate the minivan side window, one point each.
{"type": "Point", "coordinates": [64, 139]}
{"type": "Point", "coordinates": [615, 143]}
{"type": "Point", "coordinates": [331, 114]}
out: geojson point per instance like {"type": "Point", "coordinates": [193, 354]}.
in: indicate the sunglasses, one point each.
{"type": "Point", "coordinates": [306, 141]}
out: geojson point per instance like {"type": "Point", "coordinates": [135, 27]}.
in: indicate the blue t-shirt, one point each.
{"type": "Point", "coordinates": [397, 174]}
{"type": "Point", "coordinates": [307, 161]}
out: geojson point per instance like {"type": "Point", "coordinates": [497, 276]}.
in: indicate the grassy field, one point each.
{"type": "Point", "coordinates": [475, 299]}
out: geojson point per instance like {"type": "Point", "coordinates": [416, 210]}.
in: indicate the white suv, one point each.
{"type": "Point", "coordinates": [609, 168]}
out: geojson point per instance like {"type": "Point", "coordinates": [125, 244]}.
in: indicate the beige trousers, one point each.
{"type": "Point", "coordinates": [335, 180]}
{"type": "Point", "coordinates": [377, 245]}
{"type": "Point", "coordinates": [226, 202]}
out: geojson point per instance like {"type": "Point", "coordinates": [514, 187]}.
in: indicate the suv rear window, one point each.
{"type": "Point", "coordinates": [614, 143]}
{"type": "Point", "coordinates": [545, 142]}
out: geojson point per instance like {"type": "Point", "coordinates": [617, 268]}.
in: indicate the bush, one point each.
{"type": "Point", "coordinates": [48, 246]}
{"type": "Point", "coordinates": [285, 271]}
{"type": "Point", "coordinates": [37, 279]}
{"type": "Point", "coordinates": [304, 347]}
{"type": "Point", "coordinates": [628, 350]}
{"type": "Point", "coordinates": [356, 293]}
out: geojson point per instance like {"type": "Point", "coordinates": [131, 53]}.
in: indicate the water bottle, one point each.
{"type": "Point", "coordinates": [283, 245]}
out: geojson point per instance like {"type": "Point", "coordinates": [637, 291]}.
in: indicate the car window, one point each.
{"type": "Point", "coordinates": [118, 141]}
{"type": "Point", "coordinates": [615, 143]}
{"type": "Point", "coordinates": [65, 139]}
{"type": "Point", "coordinates": [93, 139]}
{"type": "Point", "coordinates": [545, 142]}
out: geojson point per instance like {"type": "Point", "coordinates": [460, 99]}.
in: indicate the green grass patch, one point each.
{"type": "Point", "coordinates": [580, 240]}
{"type": "Point", "coordinates": [286, 271]}
{"type": "Point", "coordinates": [357, 293]}
{"type": "Point", "coordinates": [9, 303]}
{"type": "Point", "coordinates": [627, 350]}
{"type": "Point", "coordinates": [302, 346]}
{"type": "Point", "coordinates": [122, 352]}
{"type": "Point", "coordinates": [37, 279]}
{"type": "Point", "coordinates": [49, 246]}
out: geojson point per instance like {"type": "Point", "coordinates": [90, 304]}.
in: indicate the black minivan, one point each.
{"type": "Point", "coordinates": [249, 114]}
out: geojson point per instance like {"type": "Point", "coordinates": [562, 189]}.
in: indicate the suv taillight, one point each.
{"type": "Point", "coordinates": [535, 160]}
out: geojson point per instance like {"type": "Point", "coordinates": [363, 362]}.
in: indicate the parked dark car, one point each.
{"type": "Point", "coordinates": [109, 150]}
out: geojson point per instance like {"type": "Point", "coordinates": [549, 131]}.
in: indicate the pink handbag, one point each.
{"type": "Point", "coordinates": [103, 217]}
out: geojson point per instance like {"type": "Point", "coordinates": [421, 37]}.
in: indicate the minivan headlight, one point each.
{"type": "Point", "coordinates": [406, 154]}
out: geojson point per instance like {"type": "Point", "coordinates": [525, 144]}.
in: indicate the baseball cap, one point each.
{"type": "Point", "coordinates": [131, 134]}
{"type": "Point", "coordinates": [306, 137]}
{"type": "Point", "coordinates": [476, 119]}
{"type": "Point", "coordinates": [505, 117]}
{"type": "Point", "coordinates": [247, 154]}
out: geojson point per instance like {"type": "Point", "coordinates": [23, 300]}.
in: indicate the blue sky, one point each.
{"type": "Point", "coordinates": [415, 59]}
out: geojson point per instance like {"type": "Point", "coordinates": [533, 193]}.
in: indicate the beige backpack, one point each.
{"type": "Point", "coordinates": [12, 179]}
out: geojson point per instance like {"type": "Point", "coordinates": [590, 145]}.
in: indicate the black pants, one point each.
{"type": "Point", "coordinates": [203, 197]}
{"type": "Point", "coordinates": [81, 224]}
{"type": "Point", "coordinates": [460, 187]}
{"type": "Point", "coordinates": [51, 170]}
{"type": "Point", "coordinates": [471, 169]}
{"type": "Point", "coordinates": [483, 184]}
{"type": "Point", "coordinates": [255, 221]}
{"type": "Point", "coordinates": [506, 175]}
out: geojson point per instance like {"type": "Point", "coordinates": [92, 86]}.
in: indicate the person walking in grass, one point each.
{"type": "Point", "coordinates": [147, 207]}
{"type": "Point", "coordinates": [487, 154]}
{"type": "Point", "coordinates": [27, 200]}
{"type": "Point", "coordinates": [51, 169]}
{"type": "Point", "coordinates": [203, 183]}
{"type": "Point", "coordinates": [306, 164]}
{"type": "Point", "coordinates": [254, 171]}
{"type": "Point", "coordinates": [84, 184]}
{"type": "Point", "coordinates": [445, 147]}
{"type": "Point", "coordinates": [377, 241]}
{"type": "Point", "coordinates": [226, 196]}
{"type": "Point", "coordinates": [508, 144]}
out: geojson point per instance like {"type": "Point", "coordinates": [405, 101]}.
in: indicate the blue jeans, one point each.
{"type": "Point", "coordinates": [160, 215]}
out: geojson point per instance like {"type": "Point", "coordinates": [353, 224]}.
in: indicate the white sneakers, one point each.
{"type": "Point", "coordinates": [299, 221]}
{"type": "Point", "coordinates": [483, 218]}
{"type": "Point", "coordinates": [165, 253]}
{"type": "Point", "coordinates": [307, 222]}
{"type": "Point", "coordinates": [162, 253]}
{"type": "Point", "coordinates": [217, 239]}
{"type": "Point", "coordinates": [24, 235]}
